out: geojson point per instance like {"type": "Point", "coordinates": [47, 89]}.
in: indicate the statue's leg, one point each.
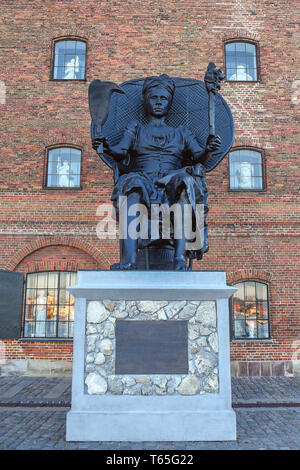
{"type": "Point", "coordinates": [180, 243]}
{"type": "Point", "coordinates": [128, 245]}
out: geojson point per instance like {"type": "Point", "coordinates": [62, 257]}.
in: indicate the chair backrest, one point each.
{"type": "Point", "coordinates": [189, 108]}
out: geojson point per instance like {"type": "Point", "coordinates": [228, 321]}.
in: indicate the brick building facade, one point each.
{"type": "Point", "coordinates": [254, 234]}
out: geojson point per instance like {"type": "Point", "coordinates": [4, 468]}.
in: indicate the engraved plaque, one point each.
{"type": "Point", "coordinates": [151, 347]}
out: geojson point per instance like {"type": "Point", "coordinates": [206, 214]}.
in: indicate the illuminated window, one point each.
{"type": "Point", "coordinates": [69, 60]}
{"type": "Point", "coordinates": [241, 62]}
{"type": "Point", "coordinates": [49, 308]}
{"type": "Point", "coordinates": [250, 311]}
{"type": "Point", "coordinates": [63, 169]}
{"type": "Point", "coordinates": [245, 170]}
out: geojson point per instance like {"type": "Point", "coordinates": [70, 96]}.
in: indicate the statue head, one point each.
{"type": "Point", "coordinates": [158, 94]}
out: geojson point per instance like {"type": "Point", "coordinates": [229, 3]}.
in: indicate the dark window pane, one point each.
{"type": "Point", "coordinates": [29, 330]}
{"type": "Point", "coordinates": [240, 329]}
{"type": "Point", "coordinates": [51, 329]}
{"type": "Point", "coordinates": [63, 330]}
{"type": "Point", "coordinates": [263, 329]}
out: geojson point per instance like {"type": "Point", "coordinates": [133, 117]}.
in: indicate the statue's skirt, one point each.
{"type": "Point", "coordinates": [167, 188]}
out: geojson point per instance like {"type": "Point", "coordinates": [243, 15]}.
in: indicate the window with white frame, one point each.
{"type": "Point", "coordinates": [245, 170]}
{"type": "Point", "coordinates": [49, 308]}
{"type": "Point", "coordinates": [241, 61]}
{"type": "Point", "coordinates": [69, 60]}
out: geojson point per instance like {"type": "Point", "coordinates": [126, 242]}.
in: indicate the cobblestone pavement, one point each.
{"type": "Point", "coordinates": [44, 428]}
{"type": "Point", "coordinates": [57, 390]}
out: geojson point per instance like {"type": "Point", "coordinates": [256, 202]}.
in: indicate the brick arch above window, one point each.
{"type": "Point", "coordinates": [240, 35]}
{"type": "Point", "coordinates": [57, 258]}
{"type": "Point", "coordinates": [252, 274]}
{"type": "Point", "coordinates": [96, 254]}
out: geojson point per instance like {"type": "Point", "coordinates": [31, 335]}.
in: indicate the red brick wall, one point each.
{"type": "Point", "coordinates": [252, 234]}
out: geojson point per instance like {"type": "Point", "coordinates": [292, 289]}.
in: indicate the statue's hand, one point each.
{"type": "Point", "coordinates": [213, 143]}
{"type": "Point", "coordinates": [96, 142]}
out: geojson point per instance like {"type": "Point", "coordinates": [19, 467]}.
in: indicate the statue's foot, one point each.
{"type": "Point", "coordinates": [123, 265]}
{"type": "Point", "coordinates": [180, 264]}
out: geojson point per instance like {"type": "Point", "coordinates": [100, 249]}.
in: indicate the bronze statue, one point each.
{"type": "Point", "coordinates": [157, 163]}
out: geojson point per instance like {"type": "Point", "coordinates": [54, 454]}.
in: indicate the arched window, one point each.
{"type": "Point", "coordinates": [250, 311]}
{"type": "Point", "coordinates": [69, 59]}
{"type": "Point", "coordinates": [63, 168]}
{"type": "Point", "coordinates": [49, 308]}
{"type": "Point", "coordinates": [245, 169]}
{"type": "Point", "coordinates": [241, 61]}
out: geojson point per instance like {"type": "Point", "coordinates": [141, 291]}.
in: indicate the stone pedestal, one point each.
{"type": "Point", "coordinates": [151, 357]}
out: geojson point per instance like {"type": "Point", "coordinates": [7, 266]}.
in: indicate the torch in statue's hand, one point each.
{"type": "Point", "coordinates": [212, 79]}
{"type": "Point", "coordinates": [213, 143]}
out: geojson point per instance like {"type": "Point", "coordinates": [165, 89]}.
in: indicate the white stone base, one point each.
{"type": "Point", "coordinates": [105, 416]}
{"type": "Point", "coordinates": [217, 425]}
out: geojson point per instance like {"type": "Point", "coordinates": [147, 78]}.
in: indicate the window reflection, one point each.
{"type": "Point", "coordinates": [64, 167]}
{"type": "Point", "coordinates": [69, 60]}
{"type": "Point", "coordinates": [49, 311]}
{"type": "Point", "coordinates": [250, 310]}
{"type": "Point", "coordinates": [245, 169]}
{"type": "Point", "coordinates": [241, 64]}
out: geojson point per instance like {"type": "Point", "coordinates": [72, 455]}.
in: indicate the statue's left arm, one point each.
{"type": "Point", "coordinates": [201, 154]}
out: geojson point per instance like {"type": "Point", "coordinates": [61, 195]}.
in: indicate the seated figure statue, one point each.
{"type": "Point", "coordinates": [159, 172]}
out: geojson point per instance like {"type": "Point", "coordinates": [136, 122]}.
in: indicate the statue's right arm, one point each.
{"type": "Point", "coordinates": [119, 151]}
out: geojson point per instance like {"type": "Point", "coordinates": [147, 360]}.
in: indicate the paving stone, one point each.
{"type": "Point", "coordinates": [45, 427]}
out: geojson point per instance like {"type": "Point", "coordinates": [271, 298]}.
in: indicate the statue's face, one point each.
{"type": "Point", "coordinates": [158, 101]}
